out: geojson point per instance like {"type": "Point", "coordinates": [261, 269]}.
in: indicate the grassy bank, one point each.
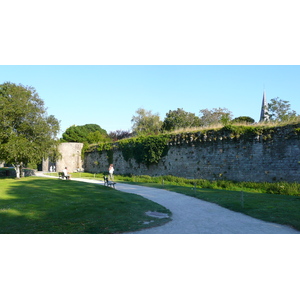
{"type": "Point", "coordinates": [280, 188]}
{"type": "Point", "coordinates": [272, 202]}
{"type": "Point", "coordinates": [40, 205]}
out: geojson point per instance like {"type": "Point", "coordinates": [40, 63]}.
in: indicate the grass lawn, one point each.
{"type": "Point", "coordinates": [45, 205]}
{"type": "Point", "coordinates": [280, 209]}
{"type": "Point", "coordinates": [258, 200]}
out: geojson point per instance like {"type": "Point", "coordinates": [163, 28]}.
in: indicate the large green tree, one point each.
{"type": "Point", "coordinates": [145, 122]}
{"type": "Point", "coordinates": [179, 118]}
{"type": "Point", "coordinates": [89, 133]}
{"type": "Point", "coordinates": [27, 133]}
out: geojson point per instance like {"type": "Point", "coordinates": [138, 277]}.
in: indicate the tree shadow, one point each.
{"type": "Point", "coordinates": [42, 205]}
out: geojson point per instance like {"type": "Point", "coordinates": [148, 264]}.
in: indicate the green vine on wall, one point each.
{"type": "Point", "coordinates": [109, 148]}
{"type": "Point", "coordinates": [147, 150]}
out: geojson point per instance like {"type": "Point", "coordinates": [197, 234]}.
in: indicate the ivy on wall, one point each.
{"type": "Point", "coordinates": [145, 149]}
{"type": "Point", "coordinates": [149, 150]}
{"type": "Point", "coordinates": [109, 148]}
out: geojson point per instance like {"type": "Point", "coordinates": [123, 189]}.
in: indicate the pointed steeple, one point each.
{"type": "Point", "coordinates": [264, 115]}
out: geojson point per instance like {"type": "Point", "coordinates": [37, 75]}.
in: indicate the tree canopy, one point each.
{"type": "Point", "coordinates": [27, 133]}
{"type": "Point", "coordinates": [179, 118]}
{"type": "Point", "coordinates": [89, 133]}
{"type": "Point", "coordinates": [215, 116]}
{"type": "Point", "coordinates": [119, 135]}
{"type": "Point", "coordinates": [145, 122]}
{"type": "Point", "coordinates": [280, 110]}
{"type": "Point", "coordinates": [243, 119]}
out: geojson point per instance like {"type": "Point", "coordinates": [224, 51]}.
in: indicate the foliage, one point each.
{"type": "Point", "coordinates": [108, 147]}
{"type": "Point", "coordinates": [179, 118]}
{"type": "Point", "coordinates": [119, 135]}
{"type": "Point", "coordinates": [145, 122]}
{"type": "Point", "coordinates": [215, 116]}
{"type": "Point", "coordinates": [238, 130]}
{"type": "Point", "coordinates": [280, 110]}
{"type": "Point", "coordinates": [150, 149]}
{"type": "Point", "coordinates": [89, 133]}
{"type": "Point", "coordinates": [97, 137]}
{"type": "Point", "coordinates": [147, 150]}
{"type": "Point", "coordinates": [27, 133]}
{"type": "Point", "coordinates": [243, 119]}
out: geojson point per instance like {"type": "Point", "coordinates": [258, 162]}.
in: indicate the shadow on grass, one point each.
{"type": "Point", "coordinates": [40, 205]}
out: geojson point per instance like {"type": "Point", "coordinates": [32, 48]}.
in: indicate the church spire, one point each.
{"type": "Point", "coordinates": [264, 115]}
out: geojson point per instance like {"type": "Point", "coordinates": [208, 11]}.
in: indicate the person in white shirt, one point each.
{"type": "Point", "coordinates": [67, 175]}
{"type": "Point", "coordinates": [111, 172]}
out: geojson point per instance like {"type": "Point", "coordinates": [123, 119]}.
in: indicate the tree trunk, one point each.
{"type": "Point", "coordinates": [18, 169]}
{"type": "Point", "coordinates": [18, 172]}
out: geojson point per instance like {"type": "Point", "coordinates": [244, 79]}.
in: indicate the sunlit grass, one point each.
{"type": "Point", "coordinates": [273, 202]}
{"type": "Point", "coordinates": [41, 205]}
{"type": "Point", "coordinates": [218, 126]}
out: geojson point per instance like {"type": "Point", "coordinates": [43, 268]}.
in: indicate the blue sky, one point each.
{"type": "Point", "coordinates": [99, 61]}
{"type": "Point", "coordinates": [109, 95]}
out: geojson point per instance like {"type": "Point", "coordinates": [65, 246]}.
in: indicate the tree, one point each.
{"type": "Point", "coordinates": [96, 137]}
{"type": "Point", "coordinates": [145, 122]}
{"type": "Point", "coordinates": [243, 119]}
{"type": "Point", "coordinates": [280, 110]}
{"type": "Point", "coordinates": [89, 133]}
{"type": "Point", "coordinates": [119, 135]}
{"type": "Point", "coordinates": [215, 116]}
{"type": "Point", "coordinates": [27, 133]}
{"type": "Point", "coordinates": [179, 118]}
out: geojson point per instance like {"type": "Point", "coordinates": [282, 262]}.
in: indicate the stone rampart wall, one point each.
{"type": "Point", "coordinates": [273, 155]}
{"type": "Point", "coordinates": [70, 158]}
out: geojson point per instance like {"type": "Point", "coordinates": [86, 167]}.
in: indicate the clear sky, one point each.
{"type": "Point", "coordinates": [109, 95]}
{"type": "Point", "coordinates": [98, 62]}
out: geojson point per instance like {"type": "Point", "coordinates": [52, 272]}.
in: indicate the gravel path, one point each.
{"type": "Point", "coordinates": [191, 215]}
{"type": "Point", "coordinates": [194, 216]}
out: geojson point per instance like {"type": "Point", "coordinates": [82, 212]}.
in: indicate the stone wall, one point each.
{"type": "Point", "coordinates": [272, 155]}
{"type": "Point", "coordinates": [10, 172]}
{"type": "Point", "coordinates": [71, 158]}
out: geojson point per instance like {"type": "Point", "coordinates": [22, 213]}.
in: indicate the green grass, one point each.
{"type": "Point", "coordinates": [41, 205]}
{"type": "Point", "coordinates": [281, 188]}
{"type": "Point", "coordinates": [280, 209]}
{"type": "Point", "coordinates": [273, 202]}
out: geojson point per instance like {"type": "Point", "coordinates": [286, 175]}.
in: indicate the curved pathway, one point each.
{"type": "Point", "coordinates": [191, 215]}
{"type": "Point", "coordinates": [194, 216]}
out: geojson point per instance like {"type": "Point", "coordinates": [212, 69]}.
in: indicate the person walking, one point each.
{"type": "Point", "coordinates": [111, 171]}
